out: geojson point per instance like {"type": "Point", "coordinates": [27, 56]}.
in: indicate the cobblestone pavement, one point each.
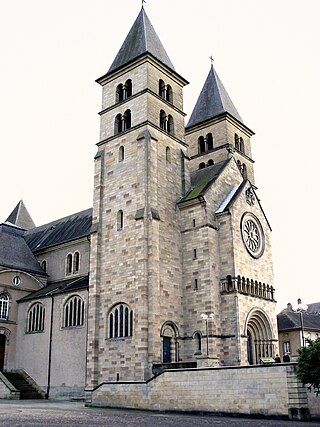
{"type": "Point", "coordinates": [49, 413]}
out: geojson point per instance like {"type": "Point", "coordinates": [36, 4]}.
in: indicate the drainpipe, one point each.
{"type": "Point", "coordinates": [50, 349]}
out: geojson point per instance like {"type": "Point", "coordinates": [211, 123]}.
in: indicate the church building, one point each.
{"type": "Point", "coordinates": [171, 267]}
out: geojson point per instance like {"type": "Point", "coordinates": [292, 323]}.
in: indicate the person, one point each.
{"type": "Point", "coordinates": [286, 358]}
{"type": "Point", "coordinates": [277, 359]}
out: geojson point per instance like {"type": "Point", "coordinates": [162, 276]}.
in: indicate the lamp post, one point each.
{"type": "Point", "coordinates": [206, 317]}
{"type": "Point", "coordinates": [300, 309]}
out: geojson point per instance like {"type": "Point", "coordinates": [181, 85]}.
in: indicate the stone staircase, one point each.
{"type": "Point", "coordinates": [27, 390]}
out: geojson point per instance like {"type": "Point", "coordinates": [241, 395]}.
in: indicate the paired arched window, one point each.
{"type": "Point", "coordinates": [239, 143]}
{"type": "Point", "coordinates": [120, 221]}
{"type": "Point", "coordinates": [124, 91]}
{"type": "Point", "coordinates": [243, 169]}
{"type": "Point", "coordinates": [73, 263]}
{"type": "Point", "coordinates": [73, 312]}
{"type": "Point", "coordinates": [165, 91]}
{"type": "Point", "coordinates": [4, 306]}
{"type": "Point", "coordinates": [120, 321]}
{"type": "Point", "coordinates": [122, 122]}
{"type": "Point", "coordinates": [205, 143]}
{"type": "Point", "coordinates": [121, 153]}
{"type": "Point", "coordinates": [35, 318]}
{"type": "Point", "coordinates": [166, 122]}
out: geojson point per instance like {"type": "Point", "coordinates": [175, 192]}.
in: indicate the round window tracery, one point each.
{"type": "Point", "coordinates": [252, 235]}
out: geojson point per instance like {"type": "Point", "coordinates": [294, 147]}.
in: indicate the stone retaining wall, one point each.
{"type": "Point", "coordinates": [264, 390]}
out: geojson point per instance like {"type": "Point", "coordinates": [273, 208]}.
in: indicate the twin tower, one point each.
{"type": "Point", "coordinates": [181, 265]}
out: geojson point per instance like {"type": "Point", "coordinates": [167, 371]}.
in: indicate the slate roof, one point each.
{"type": "Point", "coordinates": [59, 287]}
{"type": "Point", "coordinates": [213, 101]}
{"type": "Point", "coordinates": [202, 179]}
{"type": "Point", "coordinates": [14, 251]}
{"type": "Point", "coordinates": [289, 319]}
{"type": "Point", "coordinates": [63, 230]}
{"type": "Point", "coordinates": [141, 39]}
{"type": "Point", "coordinates": [21, 217]}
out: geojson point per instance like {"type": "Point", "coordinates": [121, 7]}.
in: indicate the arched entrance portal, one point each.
{"type": "Point", "coordinates": [259, 337]}
{"type": "Point", "coordinates": [170, 350]}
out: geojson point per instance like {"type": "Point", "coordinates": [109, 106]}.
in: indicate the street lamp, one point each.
{"type": "Point", "coordinates": [300, 309]}
{"type": "Point", "coordinates": [206, 317]}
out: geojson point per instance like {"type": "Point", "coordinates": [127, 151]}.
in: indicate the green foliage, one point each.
{"type": "Point", "coordinates": [309, 365]}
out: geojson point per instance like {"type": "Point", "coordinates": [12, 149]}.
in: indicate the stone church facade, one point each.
{"type": "Point", "coordinates": [173, 263]}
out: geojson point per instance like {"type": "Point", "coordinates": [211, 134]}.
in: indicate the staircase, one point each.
{"type": "Point", "coordinates": [27, 391]}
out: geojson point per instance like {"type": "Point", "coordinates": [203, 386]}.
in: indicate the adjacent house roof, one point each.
{"type": "Point", "coordinates": [61, 286]}
{"type": "Point", "coordinates": [14, 251]}
{"type": "Point", "coordinates": [289, 319]}
{"type": "Point", "coordinates": [213, 101]}
{"type": "Point", "coordinates": [202, 179]}
{"type": "Point", "coordinates": [63, 230]}
{"type": "Point", "coordinates": [141, 39]}
{"type": "Point", "coordinates": [21, 217]}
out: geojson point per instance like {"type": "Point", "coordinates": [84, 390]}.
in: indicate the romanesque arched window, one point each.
{"type": "Point", "coordinates": [120, 321]}
{"type": "Point", "coordinates": [162, 89]}
{"type": "Point", "coordinates": [73, 312]}
{"type": "Point", "coordinates": [4, 306]}
{"type": "Point", "coordinates": [69, 264]}
{"type": "Point", "coordinates": [118, 124]}
{"type": "Point", "coordinates": [169, 94]}
{"type": "Point", "coordinates": [168, 155]}
{"type": "Point", "coordinates": [236, 142]}
{"type": "Point", "coordinates": [165, 91]}
{"type": "Point", "coordinates": [44, 265]}
{"type": "Point", "coordinates": [121, 153]}
{"type": "Point", "coordinates": [241, 145]}
{"type": "Point", "coordinates": [119, 93]}
{"type": "Point", "coordinates": [76, 262]}
{"type": "Point", "coordinates": [197, 338]}
{"type": "Point", "coordinates": [170, 125]}
{"type": "Point", "coordinates": [209, 139]}
{"type": "Point", "coordinates": [35, 318]}
{"type": "Point", "coordinates": [210, 162]}
{"type": "Point", "coordinates": [202, 165]}
{"type": "Point", "coordinates": [201, 145]}
{"type": "Point", "coordinates": [244, 171]}
{"type": "Point", "coordinates": [127, 120]}
{"type": "Point", "coordinates": [163, 120]}
{"type": "Point", "coordinates": [127, 88]}
{"type": "Point", "coordinates": [120, 220]}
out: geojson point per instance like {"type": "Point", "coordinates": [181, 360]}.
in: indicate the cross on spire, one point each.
{"type": "Point", "coordinates": [143, 1]}
{"type": "Point", "coordinates": [211, 58]}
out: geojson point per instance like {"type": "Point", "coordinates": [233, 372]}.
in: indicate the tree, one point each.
{"type": "Point", "coordinates": [309, 365]}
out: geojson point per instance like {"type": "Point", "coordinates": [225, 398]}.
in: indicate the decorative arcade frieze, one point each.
{"type": "Point", "coordinates": [247, 286]}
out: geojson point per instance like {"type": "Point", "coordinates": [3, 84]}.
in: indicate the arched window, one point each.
{"type": "Point", "coordinates": [119, 93]}
{"type": "Point", "coordinates": [120, 220]}
{"type": "Point", "coordinates": [76, 262]}
{"type": "Point", "coordinates": [236, 142]}
{"type": "Point", "coordinates": [127, 88]}
{"type": "Point", "coordinates": [168, 155]}
{"type": "Point", "coordinates": [210, 162]}
{"type": "Point", "coordinates": [169, 94]}
{"type": "Point", "coordinates": [69, 264]}
{"type": "Point", "coordinates": [163, 120]}
{"type": "Point", "coordinates": [73, 312]}
{"type": "Point", "coordinates": [202, 165]}
{"type": "Point", "coordinates": [209, 141]}
{"type": "Point", "coordinates": [44, 265]}
{"type": "Point", "coordinates": [162, 89]}
{"type": "Point", "coordinates": [244, 171]}
{"type": "Point", "coordinates": [35, 319]}
{"type": "Point", "coordinates": [241, 145]}
{"type": "Point", "coordinates": [170, 128]}
{"type": "Point", "coordinates": [201, 144]}
{"type": "Point", "coordinates": [4, 306]}
{"type": "Point", "coordinates": [197, 338]}
{"type": "Point", "coordinates": [118, 124]}
{"type": "Point", "coordinates": [239, 164]}
{"type": "Point", "coordinates": [121, 153]}
{"type": "Point", "coordinates": [127, 120]}
{"type": "Point", "coordinates": [120, 321]}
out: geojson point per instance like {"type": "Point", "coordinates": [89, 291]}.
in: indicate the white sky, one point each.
{"type": "Point", "coordinates": [266, 53]}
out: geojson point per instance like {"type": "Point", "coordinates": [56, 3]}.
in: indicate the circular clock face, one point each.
{"type": "Point", "coordinates": [252, 235]}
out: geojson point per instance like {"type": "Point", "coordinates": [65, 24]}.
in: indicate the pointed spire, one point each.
{"type": "Point", "coordinates": [213, 101]}
{"type": "Point", "coordinates": [141, 39]}
{"type": "Point", "coordinates": [21, 217]}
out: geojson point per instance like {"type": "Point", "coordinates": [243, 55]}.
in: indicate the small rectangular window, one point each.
{"type": "Point", "coordinates": [195, 284]}
{"type": "Point", "coordinates": [194, 222]}
{"type": "Point", "coordinates": [194, 253]}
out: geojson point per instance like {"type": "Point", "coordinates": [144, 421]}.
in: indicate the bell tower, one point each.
{"type": "Point", "coordinates": [135, 266]}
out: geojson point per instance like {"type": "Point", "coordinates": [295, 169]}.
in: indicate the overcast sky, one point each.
{"type": "Point", "coordinates": [267, 55]}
